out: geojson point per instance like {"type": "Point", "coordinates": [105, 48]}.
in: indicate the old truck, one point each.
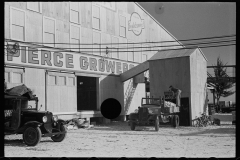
{"type": "Point", "coordinates": [22, 117]}
{"type": "Point", "coordinates": [226, 106]}
{"type": "Point", "coordinates": [154, 111]}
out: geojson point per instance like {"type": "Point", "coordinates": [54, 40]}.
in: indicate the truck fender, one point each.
{"type": "Point", "coordinates": [30, 124]}
{"type": "Point", "coordinates": [33, 124]}
{"type": "Point", "coordinates": [133, 116]}
{"type": "Point", "coordinates": [60, 121]}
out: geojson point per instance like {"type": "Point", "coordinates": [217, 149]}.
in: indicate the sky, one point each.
{"type": "Point", "coordinates": [191, 20]}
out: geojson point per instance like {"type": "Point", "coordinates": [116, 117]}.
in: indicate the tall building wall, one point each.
{"type": "Point", "coordinates": [65, 30]}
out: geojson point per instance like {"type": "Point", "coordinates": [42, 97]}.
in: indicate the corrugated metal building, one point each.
{"type": "Point", "coordinates": [60, 57]}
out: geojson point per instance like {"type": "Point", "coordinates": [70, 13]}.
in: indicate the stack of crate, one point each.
{"type": "Point", "coordinates": [169, 107]}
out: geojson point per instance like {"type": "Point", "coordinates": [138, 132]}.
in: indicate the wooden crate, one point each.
{"type": "Point", "coordinates": [172, 109]}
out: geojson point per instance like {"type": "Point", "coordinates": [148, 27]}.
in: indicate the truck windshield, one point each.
{"type": "Point", "coordinates": [25, 104]}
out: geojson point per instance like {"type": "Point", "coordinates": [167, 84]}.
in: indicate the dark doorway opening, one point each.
{"type": "Point", "coordinates": [184, 116]}
{"type": "Point", "coordinates": [86, 93]}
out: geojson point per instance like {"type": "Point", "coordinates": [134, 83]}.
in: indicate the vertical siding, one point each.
{"type": "Point", "coordinates": [48, 9]}
{"type": "Point", "coordinates": [34, 27]}
{"type": "Point", "coordinates": [20, 5]}
{"type": "Point", "coordinates": [103, 19]}
{"type": "Point", "coordinates": [57, 96]}
{"type": "Point", "coordinates": [198, 68]}
{"type": "Point", "coordinates": [7, 21]}
{"type": "Point", "coordinates": [110, 87]}
{"type": "Point", "coordinates": [35, 80]}
{"type": "Point", "coordinates": [105, 38]}
{"type": "Point", "coordinates": [173, 71]}
{"type": "Point", "coordinates": [86, 38]}
{"type": "Point", "coordinates": [62, 34]}
{"type": "Point", "coordinates": [109, 22]}
{"type": "Point", "coordinates": [86, 14]}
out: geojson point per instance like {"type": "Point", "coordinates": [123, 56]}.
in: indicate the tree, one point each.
{"type": "Point", "coordinates": [221, 81]}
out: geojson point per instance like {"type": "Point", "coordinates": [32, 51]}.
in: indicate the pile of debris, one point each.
{"type": "Point", "coordinates": [77, 123]}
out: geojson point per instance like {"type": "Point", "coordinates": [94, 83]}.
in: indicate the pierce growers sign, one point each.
{"type": "Point", "coordinates": [54, 59]}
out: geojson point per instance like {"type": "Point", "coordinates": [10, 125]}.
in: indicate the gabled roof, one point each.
{"type": "Point", "coordinates": [181, 52]}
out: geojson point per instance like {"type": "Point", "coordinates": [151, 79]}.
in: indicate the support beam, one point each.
{"type": "Point", "coordinates": [134, 71]}
{"type": "Point", "coordinates": [222, 66]}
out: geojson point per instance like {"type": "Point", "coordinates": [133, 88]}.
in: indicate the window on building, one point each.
{"type": "Point", "coordinates": [49, 31]}
{"type": "Point", "coordinates": [75, 12]}
{"type": "Point", "coordinates": [7, 77]}
{"type": "Point", "coordinates": [61, 80]}
{"type": "Point", "coordinates": [75, 37]}
{"type": "Point", "coordinates": [96, 43]}
{"type": "Point", "coordinates": [130, 51]}
{"type": "Point", "coordinates": [52, 80]}
{"type": "Point", "coordinates": [96, 17]}
{"type": "Point", "coordinates": [17, 24]}
{"type": "Point", "coordinates": [115, 46]}
{"type": "Point", "coordinates": [14, 75]}
{"type": "Point", "coordinates": [17, 77]}
{"type": "Point", "coordinates": [122, 27]}
{"type": "Point", "coordinates": [35, 6]}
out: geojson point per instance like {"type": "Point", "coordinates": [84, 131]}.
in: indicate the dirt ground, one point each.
{"type": "Point", "coordinates": [117, 140]}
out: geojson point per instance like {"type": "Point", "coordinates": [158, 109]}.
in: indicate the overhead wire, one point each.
{"type": "Point", "coordinates": [59, 49]}
{"type": "Point", "coordinates": [152, 46]}
{"type": "Point", "coordinates": [147, 47]}
{"type": "Point", "coordinates": [225, 36]}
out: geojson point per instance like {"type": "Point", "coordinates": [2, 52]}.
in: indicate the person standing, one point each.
{"type": "Point", "coordinates": [177, 92]}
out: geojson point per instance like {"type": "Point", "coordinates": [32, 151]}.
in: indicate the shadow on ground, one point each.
{"type": "Point", "coordinates": [215, 131]}
{"type": "Point", "coordinates": [14, 142]}
{"type": "Point", "coordinates": [20, 143]}
{"type": "Point", "coordinates": [218, 132]}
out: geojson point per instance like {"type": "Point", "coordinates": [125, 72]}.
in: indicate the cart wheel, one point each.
{"type": "Point", "coordinates": [32, 136]}
{"type": "Point", "coordinates": [60, 137]}
{"type": "Point", "coordinates": [132, 126]}
{"type": "Point", "coordinates": [175, 121]}
{"type": "Point", "coordinates": [157, 124]}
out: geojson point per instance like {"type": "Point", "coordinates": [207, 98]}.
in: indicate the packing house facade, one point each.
{"type": "Point", "coordinates": [71, 54]}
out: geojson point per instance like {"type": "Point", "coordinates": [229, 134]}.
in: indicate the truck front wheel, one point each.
{"type": "Point", "coordinates": [175, 121]}
{"type": "Point", "coordinates": [32, 136]}
{"type": "Point", "coordinates": [60, 137]}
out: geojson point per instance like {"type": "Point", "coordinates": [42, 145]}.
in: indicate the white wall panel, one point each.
{"type": "Point", "coordinates": [57, 95]}
{"type": "Point", "coordinates": [35, 80]}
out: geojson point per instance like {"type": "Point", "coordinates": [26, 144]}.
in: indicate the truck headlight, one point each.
{"type": "Point", "coordinates": [44, 119]}
{"type": "Point", "coordinates": [55, 118]}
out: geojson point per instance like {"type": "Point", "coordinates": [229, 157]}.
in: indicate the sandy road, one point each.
{"type": "Point", "coordinates": [117, 140]}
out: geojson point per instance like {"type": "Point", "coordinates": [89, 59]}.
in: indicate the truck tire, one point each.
{"type": "Point", "coordinates": [32, 136]}
{"type": "Point", "coordinates": [60, 137]}
{"type": "Point", "coordinates": [132, 126]}
{"type": "Point", "coordinates": [175, 121]}
{"type": "Point", "coordinates": [157, 124]}
{"type": "Point", "coordinates": [172, 120]}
